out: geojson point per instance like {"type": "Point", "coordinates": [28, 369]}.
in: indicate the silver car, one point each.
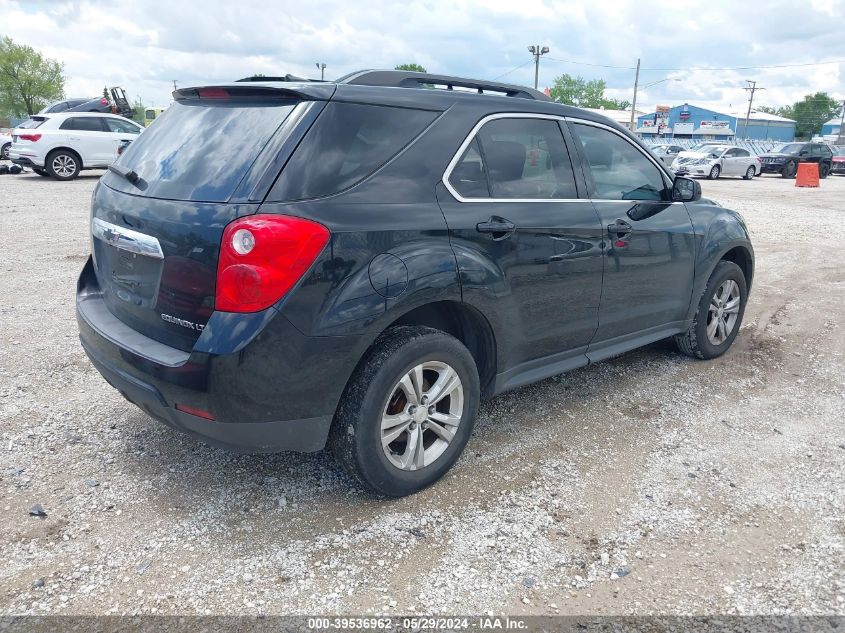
{"type": "Point", "coordinates": [713, 161]}
{"type": "Point", "coordinates": [666, 152]}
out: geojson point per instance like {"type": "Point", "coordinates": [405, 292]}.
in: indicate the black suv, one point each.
{"type": "Point", "coordinates": [784, 160]}
{"type": "Point", "coordinates": [282, 265]}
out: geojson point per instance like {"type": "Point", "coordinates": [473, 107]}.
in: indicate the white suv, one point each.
{"type": "Point", "coordinates": [62, 144]}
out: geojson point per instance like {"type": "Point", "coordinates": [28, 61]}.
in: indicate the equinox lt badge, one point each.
{"type": "Point", "coordinates": [188, 324]}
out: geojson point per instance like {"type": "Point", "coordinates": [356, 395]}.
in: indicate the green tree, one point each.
{"type": "Point", "coordinates": [412, 67]}
{"type": "Point", "coordinates": [28, 80]}
{"type": "Point", "coordinates": [811, 113]}
{"type": "Point", "coordinates": [106, 94]}
{"type": "Point", "coordinates": [579, 92]}
{"type": "Point", "coordinates": [138, 110]}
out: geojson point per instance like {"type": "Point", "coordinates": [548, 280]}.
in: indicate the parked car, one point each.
{"type": "Point", "coordinates": [837, 163]}
{"type": "Point", "coordinates": [282, 265]}
{"type": "Point", "coordinates": [714, 161]}
{"type": "Point", "coordinates": [61, 145]}
{"type": "Point", "coordinates": [785, 159]}
{"type": "Point", "coordinates": [118, 104]}
{"type": "Point", "coordinates": [666, 152]}
{"type": "Point", "coordinates": [5, 145]}
{"type": "Point", "coordinates": [96, 104]}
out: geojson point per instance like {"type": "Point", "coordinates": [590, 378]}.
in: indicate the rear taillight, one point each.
{"type": "Point", "coordinates": [30, 137]}
{"type": "Point", "coordinates": [262, 257]}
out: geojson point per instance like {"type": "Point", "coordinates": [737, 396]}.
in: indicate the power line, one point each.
{"type": "Point", "coordinates": [693, 68]}
{"type": "Point", "coordinates": [530, 61]}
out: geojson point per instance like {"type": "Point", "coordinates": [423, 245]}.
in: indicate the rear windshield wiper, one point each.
{"type": "Point", "coordinates": [129, 174]}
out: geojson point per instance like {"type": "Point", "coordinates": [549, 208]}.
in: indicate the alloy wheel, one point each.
{"type": "Point", "coordinates": [714, 172]}
{"type": "Point", "coordinates": [723, 312]}
{"type": "Point", "coordinates": [422, 415]}
{"type": "Point", "coordinates": [64, 165]}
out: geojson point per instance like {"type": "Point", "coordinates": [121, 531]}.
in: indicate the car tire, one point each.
{"type": "Point", "coordinates": [789, 170]}
{"type": "Point", "coordinates": [715, 171]}
{"type": "Point", "coordinates": [750, 172]}
{"type": "Point", "coordinates": [386, 398]}
{"type": "Point", "coordinates": [712, 333]}
{"type": "Point", "coordinates": [4, 151]}
{"type": "Point", "coordinates": [824, 170]}
{"type": "Point", "coordinates": [63, 165]}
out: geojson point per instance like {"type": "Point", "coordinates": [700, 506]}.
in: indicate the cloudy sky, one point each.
{"type": "Point", "coordinates": [144, 46]}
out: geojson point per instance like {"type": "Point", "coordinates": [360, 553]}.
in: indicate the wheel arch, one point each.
{"type": "Point", "coordinates": [70, 150]}
{"type": "Point", "coordinates": [466, 324]}
{"type": "Point", "coordinates": [742, 257]}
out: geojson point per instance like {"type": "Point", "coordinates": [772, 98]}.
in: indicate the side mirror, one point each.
{"type": "Point", "coordinates": [685, 190]}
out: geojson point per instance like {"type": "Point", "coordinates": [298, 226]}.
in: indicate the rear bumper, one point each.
{"type": "Point", "coordinates": [23, 161]}
{"type": "Point", "coordinates": [271, 390]}
{"type": "Point", "coordinates": [305, 435]}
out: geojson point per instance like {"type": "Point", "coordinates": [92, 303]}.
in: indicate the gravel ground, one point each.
{"type": "Point", "coordinates": [648, 484]}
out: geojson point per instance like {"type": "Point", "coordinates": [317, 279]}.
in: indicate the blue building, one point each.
{"type": "Point", "coordinates": [832, 127]}
{"type": "Point", "coordinates": [689, 121]}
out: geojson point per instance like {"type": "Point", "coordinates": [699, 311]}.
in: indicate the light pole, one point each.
{"type": "Point", "coordinates": [537, 50]}
{"type": "Point", "coordinates": [322, 68]}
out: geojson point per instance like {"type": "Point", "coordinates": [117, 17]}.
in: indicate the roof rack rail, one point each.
{"type": "Point", "coordinates": [409, 79]}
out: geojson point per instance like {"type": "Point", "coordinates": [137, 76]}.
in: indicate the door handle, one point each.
{"type": "Point", "coordinates": [500, 228]}
{"type": "Point", "coordinates": [620, 228]}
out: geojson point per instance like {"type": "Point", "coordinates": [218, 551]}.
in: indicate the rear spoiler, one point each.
{"type": "Point", "coordinates": [257, 90]}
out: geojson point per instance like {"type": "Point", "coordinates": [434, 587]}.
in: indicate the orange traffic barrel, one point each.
{"type": "Point", "coordinates": [807, 176]}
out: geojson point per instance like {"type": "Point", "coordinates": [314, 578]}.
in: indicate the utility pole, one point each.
{"type": "Point", "coordinates": [322, 68]}
{"type": "Point", "coordinates": [842, 124]}
{"type": "Point", "coordinates": [751, 88]}
{"type": "Point", "coordinates": [634, 102]}
{"type": "Point", "coordinates": [174, 85]}
{"type": "Point", "coordinates": [537, 50]}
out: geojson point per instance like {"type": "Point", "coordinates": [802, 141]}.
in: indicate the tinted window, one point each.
{"type": "Point", "coordinates": [31, 124]}
{"type": "Point", "coordinates": [742, 153]}
{"type": "Point", "coordinates": [124, 127]}
{"type": "Point", "coordinates": [150, 114]}
{"type": "Point", "coordinates": [469, 177]}
{"type": "Point", "coordinates": [346, 144]}
{"type": "Point", "coordinates": [619, 170]}
{"type": "Point", "coordinates": [526, 159]}
{"type": "Point", "coordinates": [60, 107]}
{"type": "Point", "coordinates": [200, 150]}
{"type": "Point", "coordinates": [83, 124]}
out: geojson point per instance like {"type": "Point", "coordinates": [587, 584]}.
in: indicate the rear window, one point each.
{"type": "Point", "coordinates": [199, 150]}
{"type": "Point", "coordinates": [32, 123]}
{"type": "Point", "coordinates": [348, 143]}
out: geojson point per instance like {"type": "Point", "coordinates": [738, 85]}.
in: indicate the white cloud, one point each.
{"type": "Point", "coordinates": [122, 42]}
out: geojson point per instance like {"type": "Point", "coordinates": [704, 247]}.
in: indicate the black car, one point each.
{"type": "Point", "coordinates": [282, 265]}
{"type": "Point", "coordinates": [784, 160]}
{"type": "Point", "coordinates": [117, 105]}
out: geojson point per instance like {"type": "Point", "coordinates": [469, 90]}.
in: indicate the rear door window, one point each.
{"type": "Point", "coordinates": [83, 124]}
{"type": "Point", "coordinates": [469, 177]}
{"type": "Point", "coordinates": [347, 143]}
{"type": "Point", "coordinates": [200, 149]}
{"type": "Point", "coordinates": [527, 159]}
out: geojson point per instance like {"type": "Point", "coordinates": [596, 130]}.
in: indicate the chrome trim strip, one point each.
{"type": "Point", "coordinates": [126, 239]}
{"type": "Point", "coordinates": [532, 115]}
